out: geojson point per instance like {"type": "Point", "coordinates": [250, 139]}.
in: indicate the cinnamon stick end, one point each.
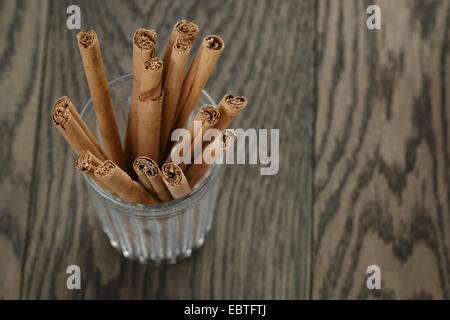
{"type": "Point", "coordinates": [146, 166]}
{"type": "Point", "coordinates": [84, 161]}
{"type": "Point", "coordinates": [182, 45]}
{"type": "Point", "coordinates": [61, 113]}
{"type": "Point", "coordinates": [214, 42]}
{"type": "Point", "coordinates": [235, 102]}
{"type": "Point", "coordinates": [86, 38]}
{"type": "Point", "coordinates": [187, 29]}
{"type": "Point", "coordinates": [145, 38]}
{"type": "Point", "coordinates": [227, 137]}
{"type": "Point", "coordinates": [105, 170]}
{"type": "Point", "coordinates": [172, 173]}
{"type": "Point", "coordinates": [154, 64]}
{"type": "Point", "coordinates": [209, 113]}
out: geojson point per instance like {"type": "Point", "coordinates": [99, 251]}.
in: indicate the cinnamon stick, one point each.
{"type": "Point", "coordinates": [183, 29]}
{"type": "Point", "coordinates": [84, 126]}
{"type": "Point", "coordinates": [143, 49]}
{"type": "Point", "coordinates": [198, 169]}
{"type": "Point", "coordinates": [197, 76]}
{"type": "Point", "coordinates": [69, 123]}
{"type": "Point", "coordinates": [175, 180]}
{"type": "Point", "coordinates": [172, 88]}
{"type": "Point", "coordinates": [121, 183]}
{"type": "Point", "coordinates": [87, 163]}
{"type": "Point", "coordinates": [91, 57]}
{"type": "Point", "coordinates": [206, 117]}
{"type": "Point", "coordinates": [229, 107]}
{"type": "Point", "coordinates": [140, 171]}
{"type": "Point", "coordinates": [149, 109]}
{"type": "Point", "coordinates": [151, 177]}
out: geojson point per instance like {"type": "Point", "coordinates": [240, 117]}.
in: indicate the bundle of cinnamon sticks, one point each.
{"type": "Point", "coordinates": [164, 94]}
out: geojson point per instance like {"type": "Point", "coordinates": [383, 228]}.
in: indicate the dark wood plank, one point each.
{"type": "Point", "coordinates": [260, 243]}
{"type": "Point", "coordinates": [21, 64]}
{"type": "Point", "coordinates": [382, 183]}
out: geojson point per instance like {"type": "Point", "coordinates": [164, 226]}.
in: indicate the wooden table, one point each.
{"type": "Point", "coordinates": [364, 173]}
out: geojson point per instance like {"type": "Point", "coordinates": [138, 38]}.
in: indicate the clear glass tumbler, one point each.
{"type": "Point", "coordinates": [162, 233]}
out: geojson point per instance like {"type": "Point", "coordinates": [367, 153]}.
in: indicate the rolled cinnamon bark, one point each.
{"type": "Point", "coordinates": [91, 57]}
{"type": "Point", "coordinates": [197, 76]}
{"type": "Point", "coordinates": [151, 177]}
{"type": "Point", "coordinates": [149, 109]}
{"type": "Point", "coordinates": [198, 169]}
{"type": "Point", "coordinates": [121, 183]}
{"type": "Point", "coordinates": [83, 126]}
{"type": "Point", "coordinates": [206, 117]}
{"type": "Point", "coordinates": [229, 107]}
{"type": "Point", "coordinates": [140, 170]}
{"type": "Point", "coordinates": [87, 163]}
{"type": "Point", "coordinates": [172, 88]}
{"type": "Point", "coordinates": [184, 29]}
{"type": "Point", "coordinates": [175, 180]}
{"type": "Point", "coordinates": [143, 49]}
{"type": "Point", "coordinates": [69, 123]}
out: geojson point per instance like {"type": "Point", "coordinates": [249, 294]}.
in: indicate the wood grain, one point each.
{"type": "Point", "coordinates": [260, 243]}
{"type": "Point", "coordinates": [21, 64]}
{"type": "Point", "coordinates": [382, 183]}
{"type": "Point", "coordinates": [381, 143]}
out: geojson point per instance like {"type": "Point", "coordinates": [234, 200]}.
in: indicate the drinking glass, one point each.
{"type": "Point", "coordinates": [162, 233]}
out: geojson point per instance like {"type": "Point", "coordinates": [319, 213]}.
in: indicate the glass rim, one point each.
{"type": "Point", "coordinates": [164, 209]}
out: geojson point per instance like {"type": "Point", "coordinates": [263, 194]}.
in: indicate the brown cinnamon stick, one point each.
{"type": "Point", "coordinates": [151, 177]}
{"type": "Point", "coordinates": [84, 126]}
{"type": "Point", "coordinates": [198, 169]}
{"type": "Point", "coordinates": [140, 170]}
{"type": "Point", "coordinates": [172, 88]}
{"type": "Point", "coordinates": [121, 183]}
{"type": "Point", "coordinates": [87, 163]}
{"type": "Point", "coordinates": [197, 76]}
{"type": "Point", "coordinates": [149, 109]}
{"type": "Point", "coordinates": [206, 117]}
{"type": "Point", "coordinates": [183, 29]}
{"type": "Point", "coordinates": [175, 180]}
{"type": "Point", "coordinates": [69, 123]}
{"type": "Point", "coordinates": [91, 57]}
{"type": "Point", "coordinates": [143, 49]}
{"type": "Point", "coordinates": [229, 107]}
